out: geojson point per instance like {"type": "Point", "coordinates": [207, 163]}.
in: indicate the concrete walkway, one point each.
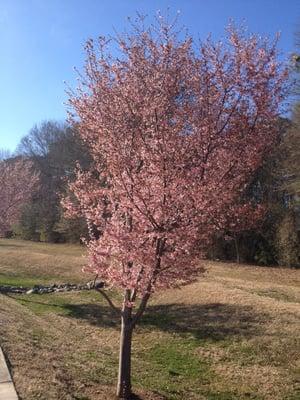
{"type": "Point", "coordinates": [7, 389]}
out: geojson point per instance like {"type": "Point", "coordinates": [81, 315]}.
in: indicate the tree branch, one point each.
{"type": "Point", "coordinates": [141, 309]}
{"type": "Point", "coordinates": [109, 301]}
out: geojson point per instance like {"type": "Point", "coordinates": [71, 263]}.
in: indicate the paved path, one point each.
{"type": "Point", "coordinates": [7, 389]}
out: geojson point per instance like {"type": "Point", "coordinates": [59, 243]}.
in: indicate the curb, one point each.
{"type": "Point", "coordinates": [7, 388]}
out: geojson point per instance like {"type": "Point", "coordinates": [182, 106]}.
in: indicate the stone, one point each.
{"type": "Point", "coordinates": [7, 391]}
{"type": "Point", "coordinates": [30, 291]}
{"type": "Point", "coordinates": [42, 289]}
{"type": "Point", "coordinates": [99, 285]}
{"type": "Point", "coordinates": [4, 373]}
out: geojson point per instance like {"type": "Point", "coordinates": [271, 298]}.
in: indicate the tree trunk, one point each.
{"type": "Point", "coordinates": [237, 250]}
{"type": "Point", "coordinates": [128, 322]}
{"type": "Point", "coordinates": [124, 378]}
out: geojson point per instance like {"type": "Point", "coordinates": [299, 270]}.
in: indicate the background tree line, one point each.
{"type": "Point", "coordinates": [277, 185]}
{"type": "Point", "coordinates": [55, 148]}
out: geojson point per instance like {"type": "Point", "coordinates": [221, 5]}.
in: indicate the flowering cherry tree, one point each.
{"type": "Point", "coordinates": [17, 182]}
{"type": "Point", "coordinates": [176, 132]}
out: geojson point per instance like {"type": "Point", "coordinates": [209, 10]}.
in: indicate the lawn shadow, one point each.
{"type": "Point", "coordinates": [95, 314]}
{"type": "Point", "coordinates": [213, 321]}
{"type": "Point", "coordinates": [13, 245]}
{"type": "Point", "coordinates": [16, 297]}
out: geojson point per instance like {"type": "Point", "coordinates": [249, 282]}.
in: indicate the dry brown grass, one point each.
{"type": "Point", "coordinates": [32, 260]}
{"type": "Point", "coordinates": [232, 335]}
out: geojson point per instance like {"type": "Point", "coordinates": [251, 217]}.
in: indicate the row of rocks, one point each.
{"type": "Point", "coordinates": [42, 289]}
{"type": "Point", "coordinates": [12, 289]}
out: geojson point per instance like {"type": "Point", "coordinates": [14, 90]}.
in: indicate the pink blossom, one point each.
{"type": "Point", "coordinates": [17, 181]}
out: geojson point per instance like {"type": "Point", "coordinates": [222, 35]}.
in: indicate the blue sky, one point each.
{"type": "Point", "coordinates": [42, 40]}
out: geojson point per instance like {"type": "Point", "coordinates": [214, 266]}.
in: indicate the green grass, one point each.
{"type": "Point", "coordinates": [177, 369]}
{"type": "Point", "coordinates": [180, 373]}
{"type": "Point", "coordinates": [43, 304]}
{"type": "Point", "coordinates": [28, 281]}
{"type": "Point", "coordinates": [64, 304]}
{"type": "Point", "coordinates": [231, 396]}
{"type": "Point", "coordinates": [177, 359]}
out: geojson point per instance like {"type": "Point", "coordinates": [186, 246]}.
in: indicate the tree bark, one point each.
{"type": "Point", "coordinates": [124, 377]}
{"type": "Point", "coordinates": [237, 250]}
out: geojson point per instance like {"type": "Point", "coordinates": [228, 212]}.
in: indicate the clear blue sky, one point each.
{"type": "Point", "coordinates": [42, 40]}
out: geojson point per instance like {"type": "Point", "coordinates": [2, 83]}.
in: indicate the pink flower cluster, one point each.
{"type": "Point", "coordinates": [17, 181]}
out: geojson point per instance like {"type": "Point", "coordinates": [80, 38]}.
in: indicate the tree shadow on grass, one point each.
{"type": "Point", "coordinates": [13, 245]}
{"type": "Point", "coordinates": [95, 314]}
{"type": "Point", "coordinates": [213, 321]}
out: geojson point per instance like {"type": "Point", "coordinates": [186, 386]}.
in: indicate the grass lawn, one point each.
{"type": "Point", "coordinates": [235, 334]}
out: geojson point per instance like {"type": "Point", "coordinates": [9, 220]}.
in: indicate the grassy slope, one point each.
{"type": "Point", "coordinates": [232, 335]}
